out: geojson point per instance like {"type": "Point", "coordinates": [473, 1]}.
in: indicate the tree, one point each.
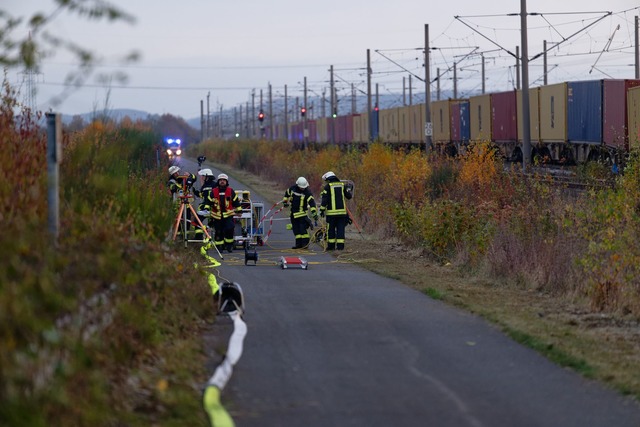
{"type": "Point", "coordinates": [28, 49]}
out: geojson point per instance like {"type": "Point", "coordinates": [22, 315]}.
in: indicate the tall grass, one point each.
{"type": "Point", "coordinates": [472, 212]}
{"type": "Point", "coordinates": [103, 327]}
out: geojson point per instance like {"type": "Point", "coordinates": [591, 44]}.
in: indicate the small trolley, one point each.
{"type": "Point", "coordinates": [248, 230]}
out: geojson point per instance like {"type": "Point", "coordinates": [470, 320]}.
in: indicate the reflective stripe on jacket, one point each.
{"type": "Point", "coordinates": [223, 204]}
{"type": "Point", "coordinates": [301, 200]}
{"type": "Point", "coordinates": [334, 201]}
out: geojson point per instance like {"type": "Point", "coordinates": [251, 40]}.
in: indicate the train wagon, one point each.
{"type": "Point", "coordinates": [633, 117]}
{"type": "Point", "coordinates": [480, 118]}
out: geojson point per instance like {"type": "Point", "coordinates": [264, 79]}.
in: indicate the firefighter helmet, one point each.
{"type": "Point", "coordinates": [302, 182]}
{"type": "Point", "coordinates": [223, 176]}
{"type": "Point", "coordinates": [205, 172]}
{"type": "Point", "coordinates": [328, 175]}
{"type": "Point", "coordinates": [174, 169]}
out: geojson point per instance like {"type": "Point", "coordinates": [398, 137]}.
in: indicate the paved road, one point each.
{"type": "Point", "coordinates": [337, 345]}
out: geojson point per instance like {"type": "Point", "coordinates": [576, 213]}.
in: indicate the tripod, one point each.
{"type": "Point", "coordinates": [182, 219]}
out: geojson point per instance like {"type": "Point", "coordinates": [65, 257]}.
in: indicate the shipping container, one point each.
{"type": "Point", "coordinates": [614, 113]}
{"type": "Point", "coordinates": [584, 112]}
{"type": "Point", "coordinates": [441, 121]}
{"type": "Point", "coordinates": [389, 125]}
{"type": "Point", "coordinates": [404, 126]}
{"type": "Point", "coordinates": [417, 121]}
{"type": "Point", "coordinates": [460, 128]}
{"type": "Point", "coordinates": [480, 117]}
{"type": "Point", "coordinates": [411, 123]}
{"type": "Point", "coordinates": [534, 115]}
{"type": "Point", "coordinates": [374, 127]}
{"type": "Point", "coordinates": [504, 117]}
{"type": "Point", "coordinates": [633, 117]}
{"type": "Point", "coordinates": [321, 130]}
{"type": "Point", "coordinates": [553, 113]}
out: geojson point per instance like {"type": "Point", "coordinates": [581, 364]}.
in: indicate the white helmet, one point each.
{"type": "Point", "coordinates": [223, 176]}
{"type": "Point", "coordinates": [328, 175]}
{"type": "Point", "coordinates": [174, 169]}
{"type": "Point", "coordinates": [205, 172]}
{"type": "Point", "coordinates": [302, 182]}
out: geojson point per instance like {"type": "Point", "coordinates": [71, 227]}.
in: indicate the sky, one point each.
{"type": "Point", "coordinates": [225, 54]}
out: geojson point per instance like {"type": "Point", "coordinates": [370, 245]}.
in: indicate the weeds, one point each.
{"type": "Point", "coordinates": [473, 212]}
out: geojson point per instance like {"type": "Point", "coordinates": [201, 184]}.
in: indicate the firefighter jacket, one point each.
{"type": "Point", "coordinates": [301, 201]}
{"type": "Point", "coordinates": [334, 198]}
{"type": "Point", "coordinates": [180, 184]}
{"type": "Point", "coordinates": [224, 203]}
{"type": "Point", "coordinates": [205, 193]}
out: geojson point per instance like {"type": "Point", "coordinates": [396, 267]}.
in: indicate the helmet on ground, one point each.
{"type": "Point", "coordinates": [223, 176]}
{"type": "Point", "coordinates": [205, 172]}
{"type": "Point", "coordinates": [174, 169]}
{"type": "Point", "coordinates": [302, 182]}
{"type": "Point", "coordinates": [328, 175]}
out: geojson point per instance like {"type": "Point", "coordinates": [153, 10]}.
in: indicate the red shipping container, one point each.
{"type": "Point", "coordinates": [614, 115]}
{"type": "Point", "coordinates": [504, 116]}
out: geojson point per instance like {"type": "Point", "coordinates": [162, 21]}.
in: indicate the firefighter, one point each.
{"type": "Point", "coordinates": [224, 204]}
{"type": "Point", "coordinates": [204, 193]}
{"type": "Point", "coordinates": [333, 204]}
{"type": "Point", "coordinates": [180, 185]}
{"type": "Point", "coordinates": [177, 182]}
{"type": "Point", "coordinates": [299, 197]}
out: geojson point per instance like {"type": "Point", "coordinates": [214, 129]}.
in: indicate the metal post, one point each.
{"type": "Point", "coordinates": [526, 120]}
{"type": "Point", "coordinates": [286, 114]}
{"type": "Point", "coordinates": [270, 119]}
{"type": "Point", "coordinates": [54, 156]}
{"type": "Point", "coordinates": [305, 131]}
{"type": "Point", "coordinates": [518, 67]}
{"type": "Point", "coordinates": [637, 50]}
{"type": "Point", "coordinates": [369, 118]}
{"type": "Point", "coordinates": [482, 73]}
{"type": "Point", "coordinates": [201, 120]}
{"type": "Point", "coordinates": [544, 62]}
{"type": "Point", "coordinates": [428, 128]}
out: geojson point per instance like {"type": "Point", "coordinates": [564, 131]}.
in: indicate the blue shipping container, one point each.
{"type": "Point", "coordinates": [584, 111]}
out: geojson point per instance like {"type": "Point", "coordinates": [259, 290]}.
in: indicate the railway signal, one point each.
{"type": "Point", "coordinates": [303, 111]}
{"type": "Point", "coordinates": [261, 116]}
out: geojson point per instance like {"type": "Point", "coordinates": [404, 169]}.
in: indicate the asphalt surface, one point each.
{"type": "Point", "coordinates": [336, 345]}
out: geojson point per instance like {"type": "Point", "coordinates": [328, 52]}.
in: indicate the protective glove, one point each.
{"type": "Point", "coordinates": [322, 214]}
{"type": "Point", "coordinates": [315, 217]}
{"type": "Point", "coordinates": [285, 204]}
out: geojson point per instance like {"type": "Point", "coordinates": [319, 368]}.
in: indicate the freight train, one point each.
{"type": "Point", "coordinates": [570, 122]}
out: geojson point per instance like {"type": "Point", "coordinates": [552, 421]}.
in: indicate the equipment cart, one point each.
{"type": "Point", "coordinates": [248, 230]}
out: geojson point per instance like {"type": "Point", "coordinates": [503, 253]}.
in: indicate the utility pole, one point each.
{"type": "Point", "coordinates": [208, 117]}
{"type": "Point", "coordinates": [455, 80]}
{"type": "Point", "coordinates": [353, 98]}
{"type": "Point", "coordinates": [404, 91]}
{"type": "Point", "coordinates": [333, 106]}
{"type": "Point", "coordinates": [286, 114]}
{"type": "Point", "coordinates": [221, 123]}
{"type": "Point", "coordinates": [305, 131]}
{"type": "Point", "coordinates": [544, 62]}
{"type": "Point", "coordinates": [438, 84]}
{"type": "Point", "coordinates": [410, 91]}
{"type": "Point", "coordinates": [637, 49]}
{"type": "Point", "coordinates": [253, 113]}
{"type": "Point", "coordinates": [201, 120]}
{"type": "Point", "coordinates": [369, 118]}
{"type": "Point", "coordinates": [482, 73]}
{"type": "Point", "coordinates": [428, 128]}
{"type": "Point", "coordinates": [518, 66]}
{"type": "Point", "coordinates": [235, 122]}
{"type": "Point", "coordinates": [526, 119]}
{"type": "Point", "coordinates": [270, 121]}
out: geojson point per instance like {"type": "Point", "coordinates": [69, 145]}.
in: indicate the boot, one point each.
{"type": "Point", "coordinates": [340, 246]}
{"type": "Point", "coordinates": [229, 247]}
